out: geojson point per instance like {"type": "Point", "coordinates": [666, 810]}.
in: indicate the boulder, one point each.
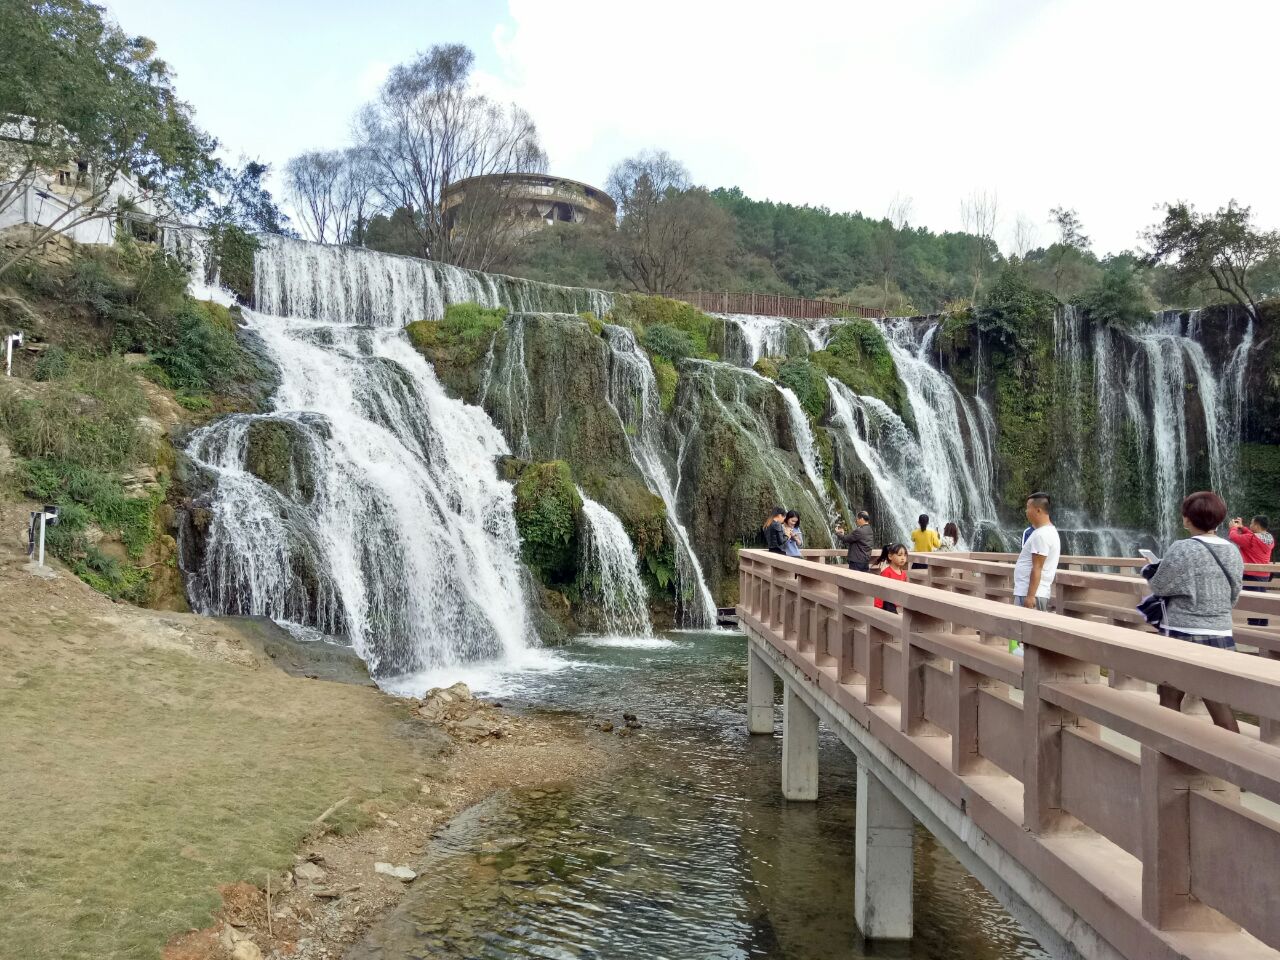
{"type": "Point", "coordinates": [396, 872]}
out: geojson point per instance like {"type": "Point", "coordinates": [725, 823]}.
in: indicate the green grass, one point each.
{"type": "Point", "coordinates": [138, 780]}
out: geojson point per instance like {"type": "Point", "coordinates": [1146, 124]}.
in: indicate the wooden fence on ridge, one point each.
{"type": "Point", "coordinates": [773, 305]}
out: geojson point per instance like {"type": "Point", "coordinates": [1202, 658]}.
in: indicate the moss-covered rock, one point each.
{"type": "Point", "coordinates": [639, 312]}
{"type": "Point", "coordinates": [809, 383]}
{"type": "Point", "coordinates": [858, 357]}
{"type": "Point", "coordinates": [459, 344]}
{"type": "Point", "coordinates": [548, 513]}
{"type": "Point", "coordinates": [278, 452]}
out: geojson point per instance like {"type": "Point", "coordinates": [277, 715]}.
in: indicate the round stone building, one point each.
{"type": "Point", "coordinates": [534, 200]}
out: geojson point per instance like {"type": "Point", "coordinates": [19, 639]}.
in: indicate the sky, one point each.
{"type": "Point", "coordinates": [1110, 107]}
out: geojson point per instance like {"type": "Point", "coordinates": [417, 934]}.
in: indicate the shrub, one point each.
{"type": "Point", "coordinates": [202, 353]}
{"type": "Point", "coordinates": [1015, 310]}
{"type": "Point", "coordinates": [231, 250]}
{"type": "Point", "coordinates": [547, 510]}
{"type": "Point", "coordinates": [808, 382]}
{"type": "Point", "coordinates": [1117, 298]}
{"type": "Point", "coordinates": [639, 312]}
{"type": "Point", "coordinates": [53, 364]}
{"type": "Point", "coordinates": [858, 356]}
{"type": "Point", "coordinates": [669, 342]}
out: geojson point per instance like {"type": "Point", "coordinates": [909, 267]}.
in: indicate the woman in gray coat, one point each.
{"type": "Point", "coordinates": [1199, 578]}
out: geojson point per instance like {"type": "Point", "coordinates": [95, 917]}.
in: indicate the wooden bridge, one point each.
{"type": "Point", "coordinates": [773, 305]}
{"type": "Point", "coordinates": [1107, 825]}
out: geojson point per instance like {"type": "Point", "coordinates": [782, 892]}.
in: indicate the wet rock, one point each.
{"type": "Point", "coordinates": [629, 717]}
{"type": "Point", "coordinates": [634, 724]}
{"type": "Point", "coordinates": [396, 872]}
{"type": "Point", "coordinates": [606, 727]}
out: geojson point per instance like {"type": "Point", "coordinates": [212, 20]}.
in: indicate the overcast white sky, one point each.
{"type": "Point", "coordinates": [1108, 106]}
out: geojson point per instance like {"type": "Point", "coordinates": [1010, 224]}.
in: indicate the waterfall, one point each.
{"type": "Point", "coordinates": [749, 337]}
{"type": "Point", "coordinates": [958, 465]}
{"type": "Point", "coordinates": [347, 285]}
{"type": "Point", "coordinates": [1069, 354]}
{"type": "Point", "coordinates": [384, 522]}
{"type": "Point", "coordinates": [807, 448]}
{"type": "Point", "coordinates": [612, 573]}
{"type": "Point", "coordinates": [513, 390]}
{"type": "Point", "coordinates": [633, 394]}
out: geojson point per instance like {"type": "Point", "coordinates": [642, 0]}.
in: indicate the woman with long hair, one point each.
{"type": "Point", "coordinates": [791, 527]}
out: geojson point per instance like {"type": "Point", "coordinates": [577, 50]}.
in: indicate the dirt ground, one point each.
{"type": "Point", "coordinates": [157, 774]}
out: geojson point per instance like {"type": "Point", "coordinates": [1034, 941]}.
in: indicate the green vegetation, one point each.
{"type": "Point", "coordinates": [232, 248]}
{"type": "Point", "coordinates": [667, 378]}
{"type": "Point", "coordinates": [462, 338]}
{"type": "Point", "coordinates": [767, 367]}
{"type": "Point", "coordinates": [639, 312]}
{"type": "Point", "coordinates": [231, 764]}
{"type": "Point", "coordinates": [1015, 312]}
{"type": "Point", "coordinates": [808, 381]}
{"type": "Point", "coordinates": [668, 342]}
{"type": "Point", "coordinates": [1117, 298]}
{"type": "Point", "coordinates": [858, 357]}
{"type": "Point", "coordinates": [547, 512]}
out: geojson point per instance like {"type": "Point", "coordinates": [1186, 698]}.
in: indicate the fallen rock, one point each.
{"type": "Point", "coordinates": [606, 727]}
{"type": "Point", "coordinates": [246, 950]}
{"type": "Point", "coordinates": [401, 873]}
{"type": "Point", "coordinates": [310, 872]}
{"type": "Point", "coordinates": [325, 893]}
{"type": "Point", "coordinates": [459, 691]}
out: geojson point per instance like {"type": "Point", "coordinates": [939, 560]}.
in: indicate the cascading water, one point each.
{"type": "Point", "coordinates": [349, 285]}
{"type": "Point", "coordinates": [633, 393]}
{"type": "Point", "coordinates": [612, 573]}
{"type": "Point", "coordinates": [393, 530]}
{"type": "Point", "coordinates": [807, 448]}
{"type": "Point", "coordinates": [958, 463]}
{"type": "Point", "coordinates": [748, 337]}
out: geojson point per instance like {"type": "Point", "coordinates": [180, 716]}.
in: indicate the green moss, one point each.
{"type": "Point", "coordinates": [547, 512]}
{"type": "Point", "coordinates": [277, 453]}
{"type": "Point", "coordinates": [1260, 470]}
{"type": "Point", "coordinates": [858, 357]}
{"type": "Point", "coordinates": [667, 378]}
{"type": "Point", "coordinates": [639, 312]}
{"type": "Point", "coordinates": [461, 340]}
{"type": "Point", "coordinates": [809, 383]}
{"type": "Point", "coordinates": [767, 367]}
{"type": "Point", "coordinates": [672, 343]}
{"type": "Point", "coordinates": [594, 322]}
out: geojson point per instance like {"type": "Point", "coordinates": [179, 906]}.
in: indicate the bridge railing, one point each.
{"type": "Point", "coordinates": [1163, 804]}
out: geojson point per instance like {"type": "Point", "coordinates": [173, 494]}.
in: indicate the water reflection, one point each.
{"type": "Point", "coordinates": [687, 851]}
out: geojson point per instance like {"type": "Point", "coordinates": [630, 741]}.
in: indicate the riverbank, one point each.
{"type": "Point", "coordinates": [160, 767]}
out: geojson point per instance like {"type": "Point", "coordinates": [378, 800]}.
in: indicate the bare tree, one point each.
{"type": "Point", "coordinates": [427, 130]}
{"type": "Point", "coordinates": [312, 182]}
{"type": "Point", "coordinates": [888, 243]}
{"type": "Point", "coordinates": [332, 192]}
{"type": "Point", "coordinates": [1025, 236]}
{"type": "Point", "coordinates": [667, 228]}
{"type": "Point", "coordinates": [979, 214]}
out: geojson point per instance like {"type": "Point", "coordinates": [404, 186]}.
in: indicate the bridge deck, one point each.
{"type": "Point", "coordinates": [1143, 825]}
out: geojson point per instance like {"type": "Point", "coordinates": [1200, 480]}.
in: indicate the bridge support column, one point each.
{"type": "Point", "coordinates": [759, 694]}
{"type": "Point", "coordinates": [799, 747]}
{"type": "Point", "coordinates": [883, 872]}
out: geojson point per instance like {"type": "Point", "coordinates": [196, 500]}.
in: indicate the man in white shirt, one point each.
{"type": "Point", "coordinates": [1038, 562]}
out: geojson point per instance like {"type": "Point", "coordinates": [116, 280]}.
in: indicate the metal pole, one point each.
{"type": "Point", "coordinates": [8, 362]}
{"type": "Point", "coordinates": [42, 519]}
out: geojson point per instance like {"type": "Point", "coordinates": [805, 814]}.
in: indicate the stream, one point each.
{"type": "Point", "coordinates": [685, 850]}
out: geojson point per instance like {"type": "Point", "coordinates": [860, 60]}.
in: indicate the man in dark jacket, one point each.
{"type": "Point", "coordinates": [775, 537]}
{"type": "Point", "coordinates": [858, 542]}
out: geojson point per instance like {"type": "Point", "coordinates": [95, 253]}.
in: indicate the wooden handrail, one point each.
{"type": "Point", "coordinates": [940, 671]}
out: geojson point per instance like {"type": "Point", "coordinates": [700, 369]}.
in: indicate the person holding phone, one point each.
{"type": "Point", "coordinates": [1255, 543]}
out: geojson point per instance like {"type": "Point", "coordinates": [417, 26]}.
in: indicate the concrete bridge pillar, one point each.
{"type": "Point", "coordinates": [799, 747]}
{"type": "Point", "coordinates": [883, 872]}
{"type": "Point", "coordinates": [759, 694]}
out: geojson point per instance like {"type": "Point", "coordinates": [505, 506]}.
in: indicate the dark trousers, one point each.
{"type": "Point", "coordinates": [862, 566]}
{"type": "Point", "coordinates": [1257, 578]}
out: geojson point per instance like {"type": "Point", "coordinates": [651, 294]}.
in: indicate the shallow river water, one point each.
{"type": "Point", "coordinates": [685, 851]}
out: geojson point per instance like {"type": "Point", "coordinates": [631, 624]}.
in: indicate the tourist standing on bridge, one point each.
{"type": "Point", "coordinates": [1199, 580]}
{"type": "Point", "coordinates": [858, 542]}
{"type": "Point", "coordinates": [924, 540]}
{"type": "Point", "coordinates": [950, 536]}
{"type": "Point", "coordinates": [896, 569]}
{"type": "Point", "coordinates": [1038, 562]}
{"type": "Point", "coordinates": [1255, 543]}
{"type": "Point", "coordinates": [791, 530]}
{"type": "Point", "coordinates": [775, 537]}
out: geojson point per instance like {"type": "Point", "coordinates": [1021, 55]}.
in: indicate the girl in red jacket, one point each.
{"type": "Point", "coordinates": [895, 569]}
